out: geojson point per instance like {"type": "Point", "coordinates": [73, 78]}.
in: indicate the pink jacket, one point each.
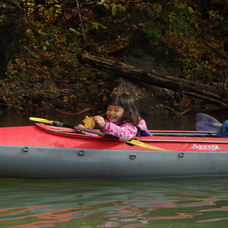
{"type": "Point", "coordinates": [126, 130]}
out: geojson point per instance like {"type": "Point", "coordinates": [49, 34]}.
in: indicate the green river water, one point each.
{"type": "Point", "coordinates": [191, 202]}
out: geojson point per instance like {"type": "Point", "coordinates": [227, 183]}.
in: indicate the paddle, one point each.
{"type": "Point", "coordinates": [205, 122]}
{"type": "Point", "coordinates": [129, 141]}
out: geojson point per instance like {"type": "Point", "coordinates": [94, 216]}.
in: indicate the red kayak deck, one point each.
{"type": "Point", "coordinates": [49, 136]}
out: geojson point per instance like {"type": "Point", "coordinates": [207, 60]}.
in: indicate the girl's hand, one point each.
{"type": "Point", "coordinates": [80, 126]}
{"type": "Point", "coordinates": [99, 120]}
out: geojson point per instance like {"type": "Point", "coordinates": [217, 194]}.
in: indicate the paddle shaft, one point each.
{"type": "Point", "coordinates": [59, 124]}
{"type": "Point", "coordinates": [128, 141]}
{"type": "Point", "coordinates": [133, 142]}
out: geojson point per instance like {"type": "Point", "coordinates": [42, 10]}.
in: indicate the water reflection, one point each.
{"type": "Point", "coordinates": [23, 119]}
{"type": "Point", "coordinates": [155, 120]}
{"type": "Point", "coordinates": [113, 203]}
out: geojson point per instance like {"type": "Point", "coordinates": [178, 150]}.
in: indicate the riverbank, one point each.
{"type": "Point", "coordinates": [75, 97]}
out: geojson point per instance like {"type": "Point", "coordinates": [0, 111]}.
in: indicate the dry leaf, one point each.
{"type": "Point", "coordinates": [89, 122]}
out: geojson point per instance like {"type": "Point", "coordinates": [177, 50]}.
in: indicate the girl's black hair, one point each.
{"type": "Point", "coordinates": [127, 102]}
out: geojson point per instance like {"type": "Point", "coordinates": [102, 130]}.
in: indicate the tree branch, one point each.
{"type": "Point", "coordinates": [164, 81]}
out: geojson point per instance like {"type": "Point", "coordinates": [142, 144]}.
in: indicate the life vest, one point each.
{"type": "Point", "coordinates": [143, 133]}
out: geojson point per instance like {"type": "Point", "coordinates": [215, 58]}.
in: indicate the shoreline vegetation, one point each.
{"type": "Point", "coordinates": [40, 42]}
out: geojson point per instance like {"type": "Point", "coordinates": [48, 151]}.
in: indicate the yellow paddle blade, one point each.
{"type": "Point", "coordinates": [142, 144]}
{"type": "Point", "coordinates": [41, 120]}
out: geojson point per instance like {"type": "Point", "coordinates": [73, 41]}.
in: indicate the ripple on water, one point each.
{"type": "Point", "coordinates": [114, 203]}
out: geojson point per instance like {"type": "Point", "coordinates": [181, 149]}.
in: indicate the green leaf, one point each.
{"type": "Point", "coordinates": [190, 10]}
{"type": "Point", "coordinates": [114, 10]}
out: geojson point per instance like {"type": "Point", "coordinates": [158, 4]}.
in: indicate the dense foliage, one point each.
{"type": "Point", "coordinates": [57, 30]}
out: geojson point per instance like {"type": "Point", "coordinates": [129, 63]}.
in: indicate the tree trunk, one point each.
{"type": "Point", "coordinates": [176, 84]}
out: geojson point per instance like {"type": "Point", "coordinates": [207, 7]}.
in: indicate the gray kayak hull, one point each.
{"type": "Point", "coordinates": [58, 162]}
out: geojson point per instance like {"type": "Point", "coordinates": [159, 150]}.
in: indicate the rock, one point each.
{"type": "Point", "coordinates": [143, 55]}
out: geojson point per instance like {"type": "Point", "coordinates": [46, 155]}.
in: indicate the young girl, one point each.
{"type": "Point", "coordinates": [122, 118]}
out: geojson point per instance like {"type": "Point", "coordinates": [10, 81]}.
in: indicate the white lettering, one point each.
{"type": "Point", "coordinates": [205, 147]}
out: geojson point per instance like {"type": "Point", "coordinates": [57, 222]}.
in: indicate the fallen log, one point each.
{"type": "Point", "coordinates": [133, 74]}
